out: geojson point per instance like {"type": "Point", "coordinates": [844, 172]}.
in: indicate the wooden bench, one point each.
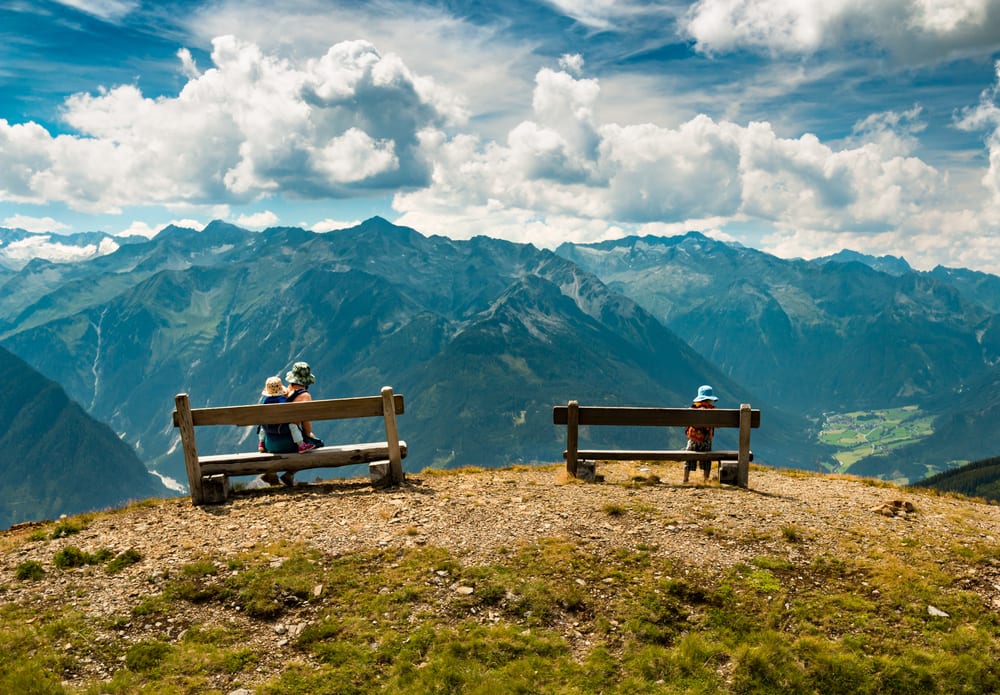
{"type": "Point", "coordinates": [208, 476]}
{"type": "Point", "coordinates": [573, 415]}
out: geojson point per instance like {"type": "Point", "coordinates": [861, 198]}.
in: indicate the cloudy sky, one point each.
{"type": "Point", "coordinates": [793, 126]}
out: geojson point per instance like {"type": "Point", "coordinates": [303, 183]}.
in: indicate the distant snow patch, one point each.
{"type": "Point", "coordinates": [170, 483]}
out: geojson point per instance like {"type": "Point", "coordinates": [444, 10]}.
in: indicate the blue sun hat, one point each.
{"type": "Point", "coordinates": [705, 394]}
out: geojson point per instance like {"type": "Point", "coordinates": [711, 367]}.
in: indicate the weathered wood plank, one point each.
{"type": "Point", "coordinates": [392, 437]}
{"type": "Point", "coordinates": [656, 455]}
{"type": "Point", "coordinates": [254, 463]}
{"type": "Point", "coordinates": [743, 467]}
{"type": "Point", "coordinates": [277, 413]}
{"type": "Point", "coordinates": [183, 421]}
{"type": "Point", "coordinates": [654, 417]}
{"type": "Point", "coordinates": [572, 437]}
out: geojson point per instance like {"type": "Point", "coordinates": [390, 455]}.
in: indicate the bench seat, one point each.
{"type": "Point", "coordinates": [255, 463]}
{"type": "Point", "coordinates": [656, 455]}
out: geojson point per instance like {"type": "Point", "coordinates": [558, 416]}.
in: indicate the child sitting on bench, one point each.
{"type": "Point", "coordinates": [700, 438]}
{"type": "Point", "coordinates": [274, 392]}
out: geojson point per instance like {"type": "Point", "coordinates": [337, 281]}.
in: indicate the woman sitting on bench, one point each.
{"type": "Point", "coordinates": [299, 379]}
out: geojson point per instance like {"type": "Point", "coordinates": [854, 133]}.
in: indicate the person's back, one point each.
{"type": "Point", "coordinates": [272, 436]}
{"type": "Point", "coordinates": [700, 438]}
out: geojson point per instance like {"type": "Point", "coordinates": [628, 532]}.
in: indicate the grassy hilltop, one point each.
{"type": "Point", "coordinates": [514, 580]}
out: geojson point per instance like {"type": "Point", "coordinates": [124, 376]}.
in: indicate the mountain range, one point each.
{"type": "Point", "coordinates": [56, 459]}
{"type": "Point", "coordinates": [484, 336]}
{"type": "Point", "coordinates": [841, 333]}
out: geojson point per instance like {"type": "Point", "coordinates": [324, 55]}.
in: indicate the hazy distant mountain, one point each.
{"type": "Point", "coordinates": [483, 337]}
{"type": "Point", "coordinates": [884, 264]}
{"type": "Point", "coordinates": [54, 458]}
{"type": "Point", "coordinates": [824, 336]}
{"type": "Point", "coordinates": [981, 288]}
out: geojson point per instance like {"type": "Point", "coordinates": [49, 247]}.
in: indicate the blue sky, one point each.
{"type": "Point", "coordinates": [799, 128]}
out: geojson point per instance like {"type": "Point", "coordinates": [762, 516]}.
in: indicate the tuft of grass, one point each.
{"type": "Point", "coordinates": [70, 557]}
{"type": "Point", "coordinates": [644, 480]}
{"type": "Point", "coordinates": [67, 527]}
{"type": "Point", "coordinates": [446, 472]}
{"type": "Point", "coordinates": [146, 655]}
{"type": "Point", "coordinates": [792, 534]}
{"type": "Point", "coordinates": [124, 559]}
{"type": "Point", "coordinates": [29, 569]}
{"type": "Point", "coordinates": [614, 510]}
{"type": "Point", "coordinates": [772, 562]}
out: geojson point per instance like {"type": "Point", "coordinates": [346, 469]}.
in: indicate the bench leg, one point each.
{"type": "Point", "coordinates": [215, 489]}
{"type": "Point", "coordinates": [380, 473]}
{"type": "Point", "coordinates": [743, 472]}
{"type": "Point", "coordinates": [729, 472]}
{"type": "Point", "coordinates": [586, 471]}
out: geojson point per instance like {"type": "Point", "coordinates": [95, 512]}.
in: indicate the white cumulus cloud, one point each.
{"type": "Point", "coordinates": [329, 225]}
{"type": "Point", "coordinates": [252, 125]}
{"type": "Point", "coordinates": [916, 31]}
{"type": "Point", "coordinates": [565, 175]}
{"type": "Point", "coordinates": [53, 249]}
{"type": "Point", "coordinates": [257, 220]}
{"type": "Point", "coordinates": [37, 225]}
{"type": "Point", "coordinates": [108, 10]}
{"type": "Point", "coordinates": [985, 116]}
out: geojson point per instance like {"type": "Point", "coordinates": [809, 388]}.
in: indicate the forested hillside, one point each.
{"type": "Point", "coordinates": [977, 479]}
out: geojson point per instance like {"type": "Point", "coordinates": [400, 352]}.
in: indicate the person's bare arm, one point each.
{"type": "Point", "coordinates": [306, 425]}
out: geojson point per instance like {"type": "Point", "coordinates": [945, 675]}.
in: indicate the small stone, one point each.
{"type": "Point", "coordinates": [464, 590]}
{"type": "Point", "coordinates": [937, 612]}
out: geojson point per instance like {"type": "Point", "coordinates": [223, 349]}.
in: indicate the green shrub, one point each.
{"type": "Point", "coordinates": [767, 667]}
{"type": "Point", "coordinates": [102, 555]}
{"type": "Point", "coordinates": [29, 678]}
{"type": "Point", "coordinates": [29, 569]}
{"type": "Point", "coordinates": [70, 557]}
{"type": "Point", "coordinates": [123, 560]}
{"type": "Point", "coordinates": [792, 534]}
{"type": "Point", "coordinates": [67, 527]}
{"type": "Point", "coordinates": [146, 655]}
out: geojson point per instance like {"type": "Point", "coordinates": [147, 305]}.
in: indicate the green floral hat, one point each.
{"type": "Point", "coordinates": [300, 375]}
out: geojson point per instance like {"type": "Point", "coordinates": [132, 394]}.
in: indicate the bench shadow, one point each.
{"type": "Point", "coordinates": [726, 488]}
{"type": "Point", "coordinates": [318, 489]}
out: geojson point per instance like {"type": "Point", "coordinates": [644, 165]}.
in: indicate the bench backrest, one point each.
{"type": "Point", "coordinates": [653, 417]}
{"type": "Point", "coordinates": [278, 413]}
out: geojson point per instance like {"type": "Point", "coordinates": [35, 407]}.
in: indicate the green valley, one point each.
{"type": "Point", "coordinates": [862, 433]}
